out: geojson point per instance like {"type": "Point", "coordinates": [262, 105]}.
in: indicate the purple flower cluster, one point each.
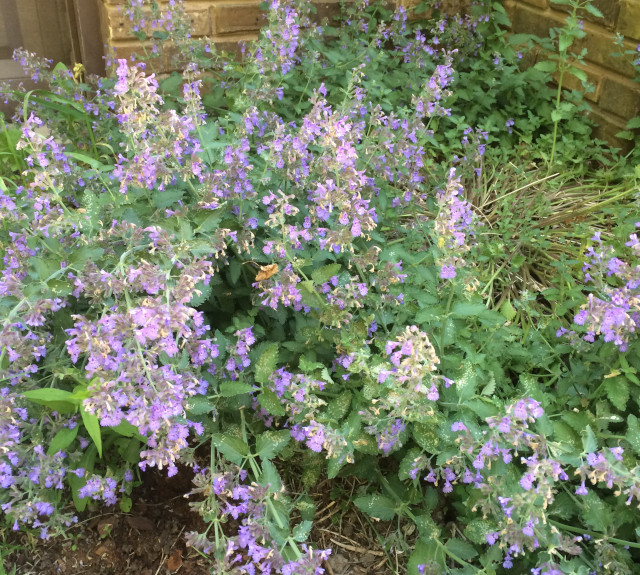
{"type": "Point", "coordinates": [253, 549]}
{"type": "Point", "coordinates": [159, 144]}
{"type": "Point", "coordinates": [453, 227]}
{"type": "Point", "coordinates": [124, 349]}
{"type": "Point", "coordinates": [605, 467]}
{"type": "Point", "coordinates": [616, 314]}
{"type": "Point", "coordinates": [522, 526]}
{"type": "Point", "coordinates": [276, 50]}
{"type": "Point", "coordinates": [239, 354]}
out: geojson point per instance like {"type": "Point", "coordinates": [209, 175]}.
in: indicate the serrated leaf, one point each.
{"type": "Point", "coordinates": [271, 477]}
{"type": "Point", "coordinates": [461, 549]}
{"type": "Point", "coordinates": [490, 388]}
{"type": "Point", "coordinates": [199, 405]}
{"type": "Point", "coordinates": [270, 443]}
{"type": "Point", "coordinates": [593, 10]}
{"type": "Point", "coordinates": [377, 506]}
{"type": "Point", "coordinates": [595, 513]}
{"type": "Point", "coordinates": [407, 463]}
{"type": "Point", "coordinates": [62, 440]}
{"type": "Point", "coordinates": [271, 403]}
{"type": "Point", "coordinates": [301, 531]}
{"type": "Point", "coordinates": [634, 123]}
{"type": "Point", "coordinates": [325, 273]}
{"type": "Point", "coordinates": [617, 390]}
{"type": "Point", "coordinates": [507, 310]}
{"type": "Point", "coordinates": [233, 448]}
{"type": "Point", "coordinates": [334, 465]}
{"type": "Point", "coordinates": [427, 527]}
{"type": "Point", "coordinates": [267, 363]}
{"type": "Point", "coordinates": [478, 529]}
{"type": "Point", "coordinates": [426, 437]}
{"type": "Point", "coordinates": [633, 433]}
{"type": "Point", "coordinates": [468, 309]}
{"type": "Point", "coordinates": [339, 406]}
{"type": "Point", "coordinates": [466, 383]}
{"type": "Point", "coordinates": [546, 66]}
{"type": "Point", "coordinates": [589, 441]}
{"type": "Point", "coordinates": [92, 425]}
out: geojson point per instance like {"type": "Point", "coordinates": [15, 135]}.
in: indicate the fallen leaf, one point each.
{"type": "Point", "coordinates": [140, 523]}
{"type": "Point", "coordinates": [175, 560]}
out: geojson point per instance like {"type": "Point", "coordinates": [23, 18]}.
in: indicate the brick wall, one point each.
{"type": "Point", "coordinates": [616, 97]}
{"type": "Point", "coordinates": [225, 22]}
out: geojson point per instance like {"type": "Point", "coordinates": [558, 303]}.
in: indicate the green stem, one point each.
{"type": "Point", "coordinates": [444, 321]}
{"type": "Point", "coordinates": [594, 534]}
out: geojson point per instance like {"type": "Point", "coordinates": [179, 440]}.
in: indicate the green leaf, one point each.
{"type": "Point", "coordinates": [92, 425]}
{"type": "Point", "coordinates": [270, 443]}
{"type": "Point", "coordinates": [62, 440]}
{"type": "Point", "coordinates": [95, 164]}
{"type": "Point", "coordinates": [478, 530]}
{"type": "Point", "coordinates": [125, 504]}
{"type": "Point", "coordinates": [426, 552]}
{"type": "Point", "coordinates": [426, 437]}
{"type": "Point", "coordinates": [461, 549]}
{"type": "Point", "coordinates": [633, 433]}
{"type": "Point", "coordinates": [466, 383]}
{"type": "Point", "coordinates": [271, 477]}
{"type": "Point", "coordinates": [377, 506]}
{"type": "Point", "coordinates": [325, 273]}
{"type": "Point", "coordinates": [57, 399]}
{"type": "Point", "coordinates": [617, 389]}
{"type": "Point", "coordinates": [593, 10]}
{"type": "Point", "coordinates": [125, 429]}
{"type": "Point", "coordinates": [564, 42]}
{"type": "Point", "coordinates": [427, 527]}
{"type": "Point", "coordinates": [271, 403]}
{"type": "Point", "coordinates": [634, 123]}
{"type": "Point", "coordinates": [589, 441]}
{"type": "Point", "coordinates": [301, 531]}
{"type": "Point", "coordinates": [339, 406]}
{"type": "Point", "coordinates": [406, 465]}
{"type": "Point", "coordinates": [546, 66]}
{"type": "Point", "coordinates": [267, 363]}
{"type": "Point", "coordinates": [595, 513]}
{"type": "Point", "coordinates": [507, 310]}
{"type": "Point", "coordinates": [233, 448]}
{"type": "Point", "coordinates": [233, 388]}
{"type": "Point", "coordinates": [468, 309]}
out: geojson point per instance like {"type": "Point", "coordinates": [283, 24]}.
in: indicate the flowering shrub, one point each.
{"type": "Point", "coordinates": [278, 257]}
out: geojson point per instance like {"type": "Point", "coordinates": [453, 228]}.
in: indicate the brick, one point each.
{"type": "Point", "coordinates": [570, 82]}
{"type": "Point", "coordinates": [120, 26]}
{"type": "Point", "coordinates": [543, 4]}
{"type": "Point", "coordinates": [610, 10]}
{"type": "Point", "coordinates": [328, 10]}
{"type": "Point", "coordinates": [620, 96]}
{"type": "Point", "coordinates": [607, 128]}
{"type": "Point", "coordinates": [629, 19]}
{"type": "Point", "coordinates": [530, 20]}
{"type": "Point", "coordinates": [600, 47]}
{"type": "Point", "coordinates": [235, 18]}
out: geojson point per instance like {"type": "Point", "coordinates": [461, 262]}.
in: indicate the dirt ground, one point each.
{"type": "Point", "coordinates": [149, 540]}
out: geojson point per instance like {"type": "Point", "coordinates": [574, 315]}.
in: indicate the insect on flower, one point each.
{"type": "Point", "coordinates": [266, 272]}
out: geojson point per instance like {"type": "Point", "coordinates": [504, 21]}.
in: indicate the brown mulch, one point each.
{"type": "Point", "coordinates": [149, 540]}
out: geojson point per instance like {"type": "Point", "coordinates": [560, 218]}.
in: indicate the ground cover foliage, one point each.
{"type": "Point", "coordinates": [380, 248]}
